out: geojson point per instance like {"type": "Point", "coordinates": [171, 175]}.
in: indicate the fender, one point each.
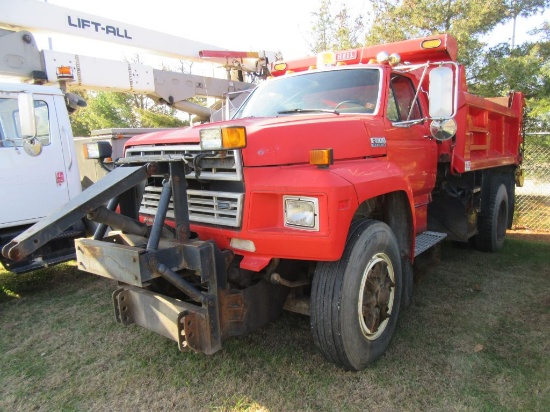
{"type": "Point", "coordinates": [375, 177]}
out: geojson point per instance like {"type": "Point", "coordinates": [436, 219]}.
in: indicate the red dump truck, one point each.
{"type": "Point", "coordinates": [315, 197]}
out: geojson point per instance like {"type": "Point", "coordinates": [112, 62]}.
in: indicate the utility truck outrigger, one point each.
{"type": "Point", "coordinates": [316, 197]}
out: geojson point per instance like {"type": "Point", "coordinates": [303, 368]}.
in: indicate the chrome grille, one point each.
{"type": "Point", "coordinates": [189, 152]}
{"type": "Point", "coordinates": [213, 207]}
{"type": "Point", "coordinates": [220, 208]}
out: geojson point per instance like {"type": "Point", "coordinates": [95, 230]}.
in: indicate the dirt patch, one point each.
{"type": "Point", "coordinates": [532, 235]}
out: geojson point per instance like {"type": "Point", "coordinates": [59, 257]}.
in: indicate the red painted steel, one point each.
{"type": "Point", "coordinates": [275, 160]}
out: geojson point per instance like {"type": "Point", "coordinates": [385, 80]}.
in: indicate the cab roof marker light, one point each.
{"type": "Point", "coordinates": [430, 44]}
{"type": "Point", "coordinates": [280, 66]}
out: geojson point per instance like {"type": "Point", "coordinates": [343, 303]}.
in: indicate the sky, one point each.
{"type": "Point", "coordinates": [244, 25]}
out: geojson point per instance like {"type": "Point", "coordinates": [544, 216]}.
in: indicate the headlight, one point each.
{"type": "Point", "coordinates": [301, 212]}
{"type": "Point", "coordinates": [223, 138]}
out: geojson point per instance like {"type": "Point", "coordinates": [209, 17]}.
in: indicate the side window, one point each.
{"type": "Point", "coordinates": [401, 103]}
{"type": "Point", "coordinates": [10, 130]}
{"type": "Point", "coordinates": [42, 122]}
{"type": "Point", "coordinates": [392, 113]}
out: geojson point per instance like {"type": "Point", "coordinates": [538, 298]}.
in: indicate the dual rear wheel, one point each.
{"type": "Point", "coordinates": [493, 219]}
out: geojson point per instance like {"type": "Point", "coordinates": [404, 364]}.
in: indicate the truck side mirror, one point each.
{"type": "Point", "coordinates": [441, 93]}
{"type": "Point", "coordinates": [27, 122]}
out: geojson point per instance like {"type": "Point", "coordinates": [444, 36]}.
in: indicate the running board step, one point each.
{"type": "Point", "coordinates": [426, 240]}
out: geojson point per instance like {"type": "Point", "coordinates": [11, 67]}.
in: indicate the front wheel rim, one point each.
{"type": "Point", "coordinates": [376, 296]}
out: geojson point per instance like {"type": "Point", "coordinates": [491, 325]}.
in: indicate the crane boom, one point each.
{"type": "Point", "coordinates": [38, 16]}
{"type": "Point", "coordinates": [20, 58]}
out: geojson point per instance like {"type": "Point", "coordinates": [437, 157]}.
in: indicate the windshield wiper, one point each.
{"type": "Point", "coordinates": [308, 111]}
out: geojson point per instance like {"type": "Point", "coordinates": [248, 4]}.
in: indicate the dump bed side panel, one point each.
{"type": "Point", "coordinates": [489, 132]}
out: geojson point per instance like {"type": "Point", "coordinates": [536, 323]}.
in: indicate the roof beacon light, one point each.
{"type": "Point", "coordinates": [326, 59]}
{"type": "Point", "coordinates": [382, 57]}
{"type": "Point", "coordinates": [394, 59]}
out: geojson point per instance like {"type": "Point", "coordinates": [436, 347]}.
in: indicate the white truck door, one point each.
{"type": "Point", "coordinates": [31, 187]}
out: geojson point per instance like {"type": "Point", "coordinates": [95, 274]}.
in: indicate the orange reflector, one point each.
{"type": "Point", "coordinates": [340, 63]}
{"type": "Point", "coordinates": [321, 157]}
{"type": "Point", "coordinates": [431, 44]}
{"type": "Point", "coordinates": [64, 72]}
{"type": "Point", "coordinates": [279, 66]}
{"type": "Point", "coordinates": [233, 137]}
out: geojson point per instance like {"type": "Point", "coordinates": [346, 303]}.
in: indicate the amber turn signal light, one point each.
{"type": "Point", "coordinates": [321, 157]}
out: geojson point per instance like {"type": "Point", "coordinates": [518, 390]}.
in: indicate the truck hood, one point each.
{"type": "Point", "coordinates": [285, 140]}
{"type": "Point", "coordinates": [175, 136]}
{"type": "Point", "coordinates": [289, 139]}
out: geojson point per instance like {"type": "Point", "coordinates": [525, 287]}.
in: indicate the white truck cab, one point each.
{"type": "Point", "coordinates": [58, 180]}
{"type": "Point", "coordinates": [38, 178]}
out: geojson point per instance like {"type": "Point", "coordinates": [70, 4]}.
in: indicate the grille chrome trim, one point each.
{"type": "Point", "coordinates": [212, 207]}
{"type": "Point", "coordinates": [189, 152]}
{"type": "Point", "coordinates": [219, 208]}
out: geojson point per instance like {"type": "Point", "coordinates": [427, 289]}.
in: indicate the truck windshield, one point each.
{"type": "Point", "coordinates": [336, 91]}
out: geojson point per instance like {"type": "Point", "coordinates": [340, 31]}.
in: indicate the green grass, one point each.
{"type": "Point", "coordinates": [475, 338]}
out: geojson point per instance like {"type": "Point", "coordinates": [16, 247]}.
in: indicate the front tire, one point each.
{"type": "Point", "coordinates": [355, 301]}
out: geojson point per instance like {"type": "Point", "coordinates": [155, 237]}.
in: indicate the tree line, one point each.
{"type": "Point", "coordinates": [491, 70]}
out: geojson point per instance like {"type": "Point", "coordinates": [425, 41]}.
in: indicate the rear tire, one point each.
{"type": "Point", "coordinates": [493, 219]}
{"type": "Point", "coordinates": [355, 301]}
